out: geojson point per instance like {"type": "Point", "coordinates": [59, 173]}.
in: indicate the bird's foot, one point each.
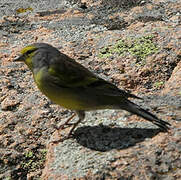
{"type": "Point", "coordinates": [70, 134]}
{"type": "Point", "coordinates": [67, 123]}
{"type": "Point", "coordinates": [61, 139]}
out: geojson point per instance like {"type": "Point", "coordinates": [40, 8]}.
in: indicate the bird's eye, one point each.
{"type": "Point", "coordinates": [30, 51]}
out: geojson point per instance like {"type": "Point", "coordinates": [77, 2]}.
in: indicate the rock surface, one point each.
{"type": "Point", "coordinates": [133, 44]}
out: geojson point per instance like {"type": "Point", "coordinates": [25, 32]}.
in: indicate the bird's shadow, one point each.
{"type": "Point", "coordinates": [104, 138]}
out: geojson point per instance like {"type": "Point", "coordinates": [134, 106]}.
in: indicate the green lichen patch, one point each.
{"type": "Point", "coordinates": [33, 160]}
{"type": "Point", "coordinates": [143, 47]}
{"type": "Point", "coordinates": [158, 85]}
{"type": "Point", "coordinates": [138, 47]}
{"type": "Point", "coordinates": [121, 47]}
{"type": "Point", "coordinates": [105, 52]}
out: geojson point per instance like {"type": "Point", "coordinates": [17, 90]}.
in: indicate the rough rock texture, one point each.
{"type": "Point", "coordinates": [172, 86]}
{"type": "Point", "coordinates": [133, 44]}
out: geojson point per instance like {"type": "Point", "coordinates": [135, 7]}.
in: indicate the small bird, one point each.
{"type": "Point", "coordinates": [72, 86]}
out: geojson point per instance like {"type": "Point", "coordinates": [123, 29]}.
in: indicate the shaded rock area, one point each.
{"type": "Point", "coordinates": [134, 44]}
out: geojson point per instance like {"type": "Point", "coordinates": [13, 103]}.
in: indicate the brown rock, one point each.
{"type": "Point", "coordinates": [173, 85]}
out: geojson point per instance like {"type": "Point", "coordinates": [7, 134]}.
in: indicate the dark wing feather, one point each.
{"type": "Point", "coordinates": [70, 74]}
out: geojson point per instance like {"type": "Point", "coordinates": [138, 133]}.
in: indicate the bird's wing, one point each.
{"type": "Point", "coordinates": [106, 88]}
{"type": "Point", "coordinates": [68, 73]}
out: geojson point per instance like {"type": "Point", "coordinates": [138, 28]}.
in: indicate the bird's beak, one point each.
{"type": "Point", "coordinates": [19, 59]}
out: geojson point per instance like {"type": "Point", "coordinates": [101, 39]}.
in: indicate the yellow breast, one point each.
{"type": "Point", "coordinates": [64, 97]}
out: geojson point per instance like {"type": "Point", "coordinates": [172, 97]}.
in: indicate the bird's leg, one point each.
{"type": "Point", "coordinates": [81, 115]}
{"type": "Point", "coordinates": [66, 123]}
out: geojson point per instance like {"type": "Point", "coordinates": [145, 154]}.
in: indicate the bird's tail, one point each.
{"type": "Point", "coordinates": [135, 109]}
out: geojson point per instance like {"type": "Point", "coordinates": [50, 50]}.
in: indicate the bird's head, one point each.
{"type": "Point", "coordinates": [35, 55]}
{"type": "Point", "coordinates": [27, 54]}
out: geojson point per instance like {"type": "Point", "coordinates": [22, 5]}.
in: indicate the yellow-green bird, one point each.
{"type": "Point", "coordinates": [72, 86]}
